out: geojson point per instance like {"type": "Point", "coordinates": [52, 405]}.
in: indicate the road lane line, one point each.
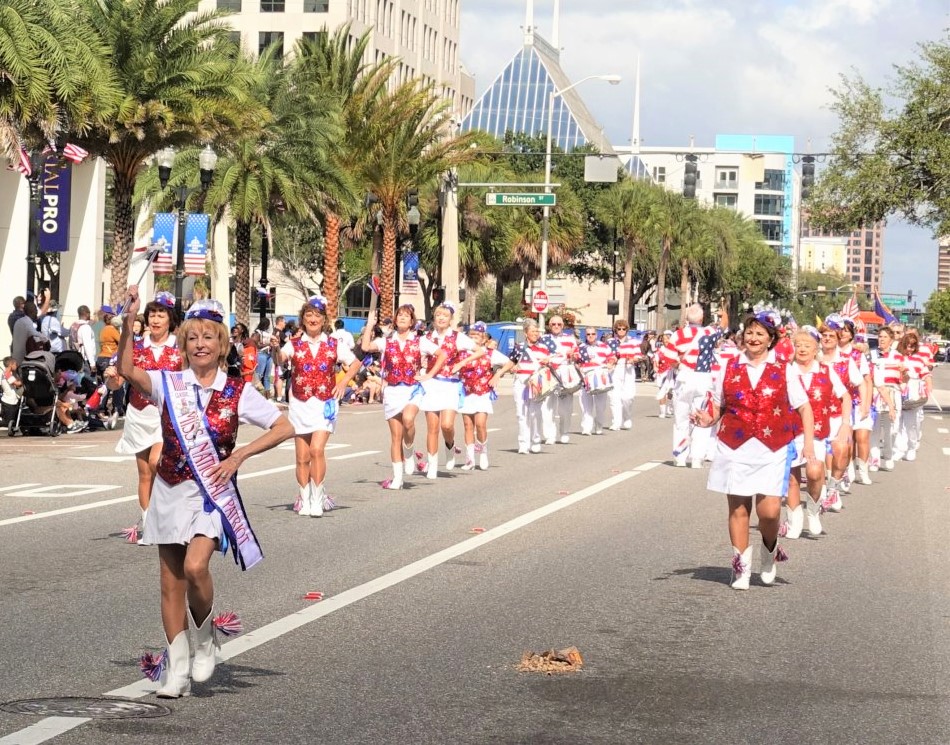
{"type": "Point", "coordinates": [54, 726]}
{"type": "Point", "coordinates": [17, 486]}
{"type": "Point", "coordinates": [943, 431]}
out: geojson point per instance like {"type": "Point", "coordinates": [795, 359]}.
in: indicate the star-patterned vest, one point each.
{"type": "Point", "coordinates": [823, 401]}
{"type": "Point", "coordinates": [142, 358]}
{"type": "Point", "coordinates": [842, 366]}
{"type": "Point", "coordinates": [476, 376]}
{"type": "Point", "coordinates": [449, 345]}
{"type": "Point", "coordinates": [222, 416]}
{"type": "Point", "coordinates": [313, 373]}
{"type": "Point", "coordinates": [761, 413]}
{"type": "Point", "coordinates": [399, 366]}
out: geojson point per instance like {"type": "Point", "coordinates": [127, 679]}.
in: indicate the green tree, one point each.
{"type": "Point", "coordinates": [937, 313]}
{"type": "Point", "coordinates": [890, 158]}
{"type": "Point", "coordinates": [54, 73]}
{"type": "Point", "coordinates": [181, 82]}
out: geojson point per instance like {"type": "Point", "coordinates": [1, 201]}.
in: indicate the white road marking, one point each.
{"type": "Point", "coordinates": [17, 486]}
{"type": "Point", "coordinates": [354, 455]}
{"type": "Point", "coordinates": [946, 451]}
{"type": "Point", "coordinates": [62, 490]}
{"type": "Point", "coordinates": [104, 458]}
{"type": "Point", "coordinates": [330, 446]}
{"type": "Point", "coordinates": [943, 431]}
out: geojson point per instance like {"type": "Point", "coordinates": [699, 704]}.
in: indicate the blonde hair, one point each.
{"type": "Point", "coordinates": [802, 334]}
{"type": "Point", "coordinates": [197, 325]}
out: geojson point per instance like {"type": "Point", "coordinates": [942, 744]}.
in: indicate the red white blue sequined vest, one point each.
{"type": "Point", "coordinates": [400, 365]}
{"type": "Point", "coordinates": [222, 415]}
{"type": "Point", "coordinates": [449, 345]}
{"type": "Point", "coordinates": [312, 374]}
{"type": "Point", "coordinates": [476, 376]}
{"type": "Point", "coordinates": [762, 413]}
{"type": "Point", "coordinates": [142, 358]}
{"type": "Point", "coordinates": [823, 401]}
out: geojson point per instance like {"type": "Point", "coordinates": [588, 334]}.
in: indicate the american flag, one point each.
{"type": "Point", "coordinates": [163, 231]}
{"type": "Point", "coordinates": [583, 353]}
{"type": "Point", "coordinates": [22, 167]}
{"type": "Point", "coordinates": [547, 341]}
{"type": "Point", "coordinates": [851, 309]}
{"type": "Point", "coordinates": [74, 153]}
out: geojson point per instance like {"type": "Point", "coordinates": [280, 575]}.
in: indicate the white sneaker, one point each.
{"type": "Point", "coordinates": [627, 424]}
{"type": "Point", "coordinates": [585, 434]}
{"type": "Point", "coordinates": [565, 439]}
{"type": "Point", "coordinates": [887, 465]}
{"type": "Point", "coordinates": [522, 451]}
{"type": "Point", "coordinates": [662, 415]}
{"type": "Point", "coordinates": [549, 441]}
{"type": "Point", "coordinates": [599, 431]}
{"type": "Point", "coordinates": [536, 448]}
{"type": "Point", "coordinates": [911, 455]}
{"type": "Point", "coordinates": [679, 462]}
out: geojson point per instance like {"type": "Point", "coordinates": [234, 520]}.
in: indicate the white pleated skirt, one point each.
{"type": "Point", "coordinates": [441, 395]}
{"type": "Point", "coordinates": [176, 515]}
{"type": "Point", "coordinates": [397, 397]}
{"type": "Point", "coordinates": [751, 469]}
{"type": "Point", "coordinates": [310, 415]}
{"type": "Point", "coordinates": [141, 429]}
{"type": "Point", "coordinates": [477, 403]}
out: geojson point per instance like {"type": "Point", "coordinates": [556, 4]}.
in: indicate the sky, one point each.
{"type": "Point", "coordinates": [727, 67]}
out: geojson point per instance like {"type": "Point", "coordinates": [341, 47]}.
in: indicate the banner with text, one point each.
{"type": "Point", "coordinates": [53, 214]}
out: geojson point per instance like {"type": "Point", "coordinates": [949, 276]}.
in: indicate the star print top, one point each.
{"type": "Point", "coordinates": [402, 358]}
{"type": "Point", "coordinates": [825, 391]}
{"type": "Point", "coordinates": [528, 356]}
{"type": "Point", "coordinates": [476, 375]}
{"type": "Point", "coordinates": [149, 356]}
{"type": "Point", "coordinates": [758, 402]}
{"type": "Point", "coordinates": [226, 402]}
{"type": "Point", "coordinates": [455, 346]}
{"type": "Point", "coordinates": [592, 356]}
{"type": "Point", "coordinates": [312, 362]}
{"type": "Point", "coordinates": [690, 343]}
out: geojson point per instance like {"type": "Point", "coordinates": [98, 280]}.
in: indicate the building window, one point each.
{"type": "Point", "coordinates": [233, 6]}
{"type": "Point", "coordinates": [316, 6]}
{"type": "Point", "coordinates": [767, 204]}
{"type": "Point", "coordinates": [771, 229]}
{"type": "Point", "coordinates": [867, 274]}
{"type": "Point", "coordinates": [659, 174]}
{"type": "Point", "coordinates": [272, 6]}
{"type": "Point", "coordinates": [869, 256]}
{"type": "Point", "coordinates": [314, 36]}
{"type": "Point", "coordinates": [235, 38]}
{"type": "Point", "coordinates": [726, 200]}
{"type": "Point", "coordinates": [869, 239]}
{"type": "Point", "coordinates": [774, 181]}
{"type": "Point", "coordinates": [727, 178]}
{"type": "Point", "coordinates": [266, 38]}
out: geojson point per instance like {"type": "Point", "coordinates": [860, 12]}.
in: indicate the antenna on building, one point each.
{"type": "Point", "coordinates": [635, 136]}
{"type": "Point", "coordinates": [555, 27]}
{"type": "Point", "coordinates": [529, 18]}
{"type": "Point", "coordinates": [692, 141]}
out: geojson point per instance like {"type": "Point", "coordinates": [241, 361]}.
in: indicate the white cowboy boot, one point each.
{"type": "Point", "coordinates": [409, 462]}
{"type": "Point", "coordinates": [813, 513]}
{"type": "Point", "coordinates": [306, 500]}
{"type": "Point", "coordinates": [741, 568]}
{"type": "Point", "coordinates": [396, 481]}
{"type": "Point", "coordinates": [483, 455]}
{"type": "Point", "coordinates": [450, 457]}
{"type": "Point", "coordinates": [316, 499]}
{"type": "Point", "coordinates": [206, 647]}
{"type": "Point", "coordinates": [796, 521]}
{"type": "Point", "coordinates": [862, 474]}
{"type": "Point", "coordinates": [432, 467]}
{"type": "Point", "coordinates": [176, 678]}
{"type": "Point", "coordinates": [469, 457]}
{"type": "Point", "coordinates": [767, 559]}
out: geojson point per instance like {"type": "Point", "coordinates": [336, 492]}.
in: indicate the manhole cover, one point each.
{"type": "Point", "coordinates": [93, 708]}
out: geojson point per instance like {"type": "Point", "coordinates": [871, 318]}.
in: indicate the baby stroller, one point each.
{"type": "Point", "coordinates": [37, 411]}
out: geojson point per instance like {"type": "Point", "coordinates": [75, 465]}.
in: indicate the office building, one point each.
{"type": "Point", "coordinates": [864, 260]}
{"type": "Point", "coordinates": [943, 265]}
{"type": "Point", "coordinates": [823, 255]}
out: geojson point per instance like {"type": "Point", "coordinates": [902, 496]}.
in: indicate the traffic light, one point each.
{"type": "Point", "coordinates": [690, 177]}
{"type": "Point", "coordinates": [808, 174]}
{"type": "Point", "coordinates": [910, 296]}
{"type": "Point", "coordinates": [412, 211]}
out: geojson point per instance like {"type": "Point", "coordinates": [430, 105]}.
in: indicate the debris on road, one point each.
{"type": "Point", "coordinates": [567, 660]}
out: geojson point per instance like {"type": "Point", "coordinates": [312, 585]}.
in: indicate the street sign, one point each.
{"type": "Point", "coordinates": [895, 301]}
{"type": "Point", "coordinates": [494, 199]}
{"type": "Point", "coordinates": [539, 301]}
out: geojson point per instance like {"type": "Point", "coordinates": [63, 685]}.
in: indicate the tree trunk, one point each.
{"type": "Point", "coordinates": [124, 185]}
{"type": "Point", "coordinates": [331, 264]}
{"type": "Point", "coordinates": [661, 284]}
{"type": "Point", "coordinates": [499, 296]}
{"type": "Point", "coordinates": [387, 278]}
{"type": "Point", "coordinates": [242, 272]}
{"type": "Point", "coordinates": [684, 290]}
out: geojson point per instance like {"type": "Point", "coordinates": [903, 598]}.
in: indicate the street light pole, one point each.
{"type": "Point", "coordinates": [613, 288]}
{"type": "Point", "coordinates": [546, 214]}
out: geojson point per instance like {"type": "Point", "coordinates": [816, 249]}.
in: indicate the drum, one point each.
{"type": "Point", "coordinates": [597, 380]}
{"type": "Point", "coordinates": [541, 384]}
{"type": "Point", "coordinates": [569, 379]}
{"type": "Point", "coordinates": [914, 394]}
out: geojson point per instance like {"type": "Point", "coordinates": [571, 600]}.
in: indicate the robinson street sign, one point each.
{"type": "Point", "coordinates": [494, 199]}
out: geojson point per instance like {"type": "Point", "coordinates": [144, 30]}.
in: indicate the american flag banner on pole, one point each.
{"type": "Point", "coordinates": [22, 165]}
{"type": "Point", "coordinates": [74, 153]}
{"type": "Point", "coordinates": [164, 227]}
{"type": "Point", "coordinates": [196, 244]}
{"type": "Point", "coordinates": [851, 309]}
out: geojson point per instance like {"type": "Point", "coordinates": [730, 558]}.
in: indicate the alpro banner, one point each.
{"type": "Point", "coordinates": [52, 218]}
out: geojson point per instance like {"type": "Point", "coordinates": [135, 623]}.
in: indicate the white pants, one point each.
{"type": "Point", "coordinates": [884, 431]}
{"type": "Point", "coordinates": [622, 395]}
{"type": "Point", "coordinates": [594, 411]}
{"type": "Point", "coordinates": [556, 414]}
{"type": "Point", "coordinates": [910, 429]}
{"type": "Point", "coordinates": [529, 416]}
{"type": "Point", "coordinates": [690, 386]}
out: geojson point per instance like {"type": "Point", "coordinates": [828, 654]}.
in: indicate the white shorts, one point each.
{"type": "Point", "coordinates": [141, 429]}
{"type": "Point", "coordinates": [822, 446]}
{"type": "Point", "coordinates": [441, 394]}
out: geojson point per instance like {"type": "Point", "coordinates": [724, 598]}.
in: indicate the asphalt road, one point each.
{"type": "Point", "coordinates": [599, 543]}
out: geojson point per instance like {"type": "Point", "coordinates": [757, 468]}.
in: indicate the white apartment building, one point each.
{"type": "Point", "coordinates": [825, 255]}
{"type": "Point", "coordinates": [423, 34]}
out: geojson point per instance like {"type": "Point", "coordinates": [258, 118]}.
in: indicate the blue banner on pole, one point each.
{"type": "Point", "coordinates": [163, 238]}
{"type": "Point", "coordinates": [53, 214]}
{"type": "Point", "coordinates": [410, 266]}
{"type": "Point", "coordinates": [196, 244]}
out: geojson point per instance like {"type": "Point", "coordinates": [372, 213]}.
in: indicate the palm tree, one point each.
{"type": "Point", "coordinates": [691, 250]}
{"type": "Point", "coordinates": [404, 146]}
{"type": "Point", "coordinates": [334, 67]}
{"type": "Point", "coordinates": [54, 72]}
{"type": "Point", "coordinates": [669, 217]}
{"type": "Point", "coordinates": [181, 82]}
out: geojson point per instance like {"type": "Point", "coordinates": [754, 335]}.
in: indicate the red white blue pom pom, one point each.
{"type": "Point", "coordinates": [783, 530]}
{"type": "Point", "coordinates": [298, 503]}
{"type": "Point", "coordinates": [152, 665]}
{"type": "Point", "coordinates": [131, 535]}
{"type": "Point", "coordinates": [780, 554]}
{"type": "Point", "coordinates": [328, 503]}
{"type": "Point", "coordinates": [228, 623]}
{"type": "Point", "coordinates": [738, 566]}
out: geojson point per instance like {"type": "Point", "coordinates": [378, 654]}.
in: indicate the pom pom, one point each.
{"type": "Point", "coordinates": [228, 623]}
{"type": "Point", "coordinates": [783, 529]}
{"type": "Point", "coordinates": [458, 450]}
{"type": "Point", "coordinates": [298, 503]}
{"type": "Point", "coordinates": [152, 665]}
{"type": "Point", "coordinates": [780, 554]}
{"type": "Point", "coordinates": [328, 503]}
{"type": "Point", "coordinates": [131, 535]}
{"type": "Point", "coordinates": [737, 564]}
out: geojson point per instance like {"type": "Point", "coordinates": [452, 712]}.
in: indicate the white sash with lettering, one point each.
{"type": "Point", "coordinates": [194, 435]}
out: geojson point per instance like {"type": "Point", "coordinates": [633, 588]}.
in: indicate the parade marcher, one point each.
{"type": "Point", "coordinates": [142, 430]}
{"type": "Point", "coordinates": [861, 409]}
{"type": "Point", "coordinates": [557, 409]}
{"type": "Point", "coordinates": [691, 352]}
{"type": "Point", "coordinates": [915, 392]}
{"type": "Point", "coordinates": [665, 374]}
{"type": "Point", "coordinates": [443, 392]}
{"type": "Point", "coordinates": [887, 366]}
{"type": "Point", "coordinates": [762, 408]}
{"type": "Point", "coordinates": [828, 397]}
{"type": "Point", "coordinates": [479, 378]}
{"type": "Point", "coordinates": [594, 359]}
{"type": "Point", "coordinates": [841, 417]}
{"type": "Point", "coordinates": [195, 507]}
{"type": "Point", "coordinates": [314, 398]}
{"type": "Point", "coordinates": [627, 352]}
{"type": "Point", "coordinates": [534, 380]}
{"type": "Point", "coordinates": [401, 367]}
